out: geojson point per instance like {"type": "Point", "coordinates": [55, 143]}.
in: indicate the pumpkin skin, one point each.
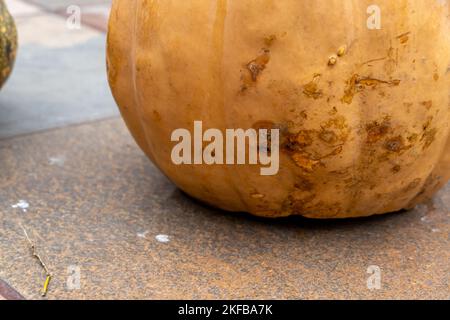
{"type": "Point", "coordinates": [8, 43]}
{"type": "Point", "coordinates": [364, 132]}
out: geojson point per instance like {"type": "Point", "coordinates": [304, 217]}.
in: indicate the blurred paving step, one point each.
{"type": "Point", "coordinates": [58, 5]}
{"type": "Point", "coordinates": [59, 78]}
{"type": "Point", "coordinates": [19, 8]}
{"type": "Point", "coordinates": [8, 293]}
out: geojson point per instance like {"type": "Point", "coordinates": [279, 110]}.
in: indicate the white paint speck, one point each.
{"type": "Point", "coordinates": [424, 219]}
{"type": "Point", "coordinates": [163, 238]}
{"type": "Point", "coordinates": [22, 204]}
{"type": "Point", "coordinates": [57, 161]}
{"type": "Point", "coordinates": [435, 230]}
{"type": "Point", "coordinates": [142, 235]}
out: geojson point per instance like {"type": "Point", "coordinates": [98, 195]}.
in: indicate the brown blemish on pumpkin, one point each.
{"type": "Point", "coordinates": [412, 185]}
{"type": "Point", "coordinates": [413, 138]}
{"type": "Point", "coordinates": [304, 184]}
{"type": "Point", "coordinates": [436, 77]}
{"type": "Point", "coordinates": [429, 134]}
{"type": "Point", "coordinates": [403, 38]}
{"type": "Point", "coordinates": [395, 144]}
{"type": "Point", "coordinates": [259, 64]}
{"type": "Point", "coordinates": [295, 142]}
{"type": "Point", "coordinates": [306, 147]}
{"type": "Point", "coordinates": [376, 131]}
{"type": "Point", "coordinates": [350, 90]}
{"type": "Point", "coordinates": [311, 89]}
{"type": "Point", "coordinates": [156, 115]}
{"type": "Point", "coordinates": [303, 114]}
{"type": "Point", "coordinates": [396, 168]}
{"type": "Point", "coordinates": [333, 111]}
{"type": "Point", "coordinates": [356, 84]}
{"type": "Point", "coordinates": [428, 137]}
{"type": "Point", "coordinates": [339, 126]}
{"type": "Point", "coordinates": [268, 41]}
{"type": "Point", "coordinates": [296, 205]}
{"type": "Point", "coordinates": [427, 124]}
{"type": "Point", "coordinates": [428, 104]}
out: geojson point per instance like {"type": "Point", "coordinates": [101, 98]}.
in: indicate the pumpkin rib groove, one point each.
{"type": "Point", "coordinates": [216, 67]}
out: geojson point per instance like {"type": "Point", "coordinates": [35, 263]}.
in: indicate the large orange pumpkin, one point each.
{"type": "Point", "coordinates": [359, 92]}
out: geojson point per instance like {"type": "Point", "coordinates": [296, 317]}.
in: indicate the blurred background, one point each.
{"type": "Point", "coordinates": [59, 77]}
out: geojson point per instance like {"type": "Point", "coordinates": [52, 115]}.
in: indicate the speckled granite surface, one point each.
{"type": "Point", "coordinates": [96, 203]}
{"type": "Point", "coordinates": [109, 225]}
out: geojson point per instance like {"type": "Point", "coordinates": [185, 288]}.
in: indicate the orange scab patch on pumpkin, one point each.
{"type": "Point", "coordinates": [304, 162]}
{"type": "Point", "coordinates": [335, 131]}
{"type": "Point", "coordinates": [302, 139]}
{"type": "Point", "coordinates": [307, 148]}
{"type": "Point", "coordinates": [356, 84]}
{"type": "Point", "coordinates": [296, 142]}
{"type": "Point", "coordinates": [350, 90]}
{"type": "Point", "coordinates": [254, 69]}
{"type": "Point", "coordinates": [258, 65]}
{"type": "Point", "coordinates": [311, 89]}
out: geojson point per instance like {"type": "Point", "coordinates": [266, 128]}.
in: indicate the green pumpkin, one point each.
{"type": "Point", "coordinates": [8, 43]}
